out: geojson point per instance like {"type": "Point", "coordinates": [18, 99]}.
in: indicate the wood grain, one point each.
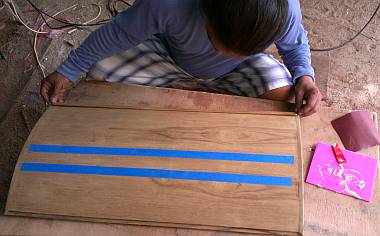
{"type": "Point", "coordinates": [116, 95]}
{"type": "Point", "coordinates": [48, 225]}
{"type": "Point", "coordinates": [325, 213]}
{"type": "Point", "coordinates": [238, 207]}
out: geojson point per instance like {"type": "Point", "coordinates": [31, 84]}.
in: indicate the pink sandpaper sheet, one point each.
{"type": "Point", "coordinates": [356, 178]}
{"type": "Point", "coordinates": [357, 130]}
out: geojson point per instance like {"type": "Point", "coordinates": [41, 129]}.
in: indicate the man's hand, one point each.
{"type": "Point", "coordinates": [54, 87]}
{"type": "Point", "coordinates": [307, 96]}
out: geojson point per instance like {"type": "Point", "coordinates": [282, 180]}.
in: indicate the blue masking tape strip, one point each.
{"type": "Point", "coordinates": [157, 173]}
{"type": "Point", "coordinates": [161, 153]}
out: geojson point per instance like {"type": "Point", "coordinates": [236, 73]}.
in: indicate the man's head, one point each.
{"type": "Point", "coordinates": [244, 27]}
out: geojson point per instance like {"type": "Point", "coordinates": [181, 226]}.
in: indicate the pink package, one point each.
{"type": "Point", "coordinates": [356, 178]}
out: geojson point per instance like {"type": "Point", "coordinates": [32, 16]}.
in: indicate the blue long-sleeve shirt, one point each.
{"type": "Point", "coordinates": [183, 28]}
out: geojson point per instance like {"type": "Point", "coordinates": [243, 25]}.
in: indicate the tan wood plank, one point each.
{"type": "Point", "coordinates": [187, 202]}
{"type": "Point", "coordinates": [45, 225]}
{"type": "Point", "coordinates": [127, 198]}
{"type": "Point", "coordinates": [318, 220]}
{"type": "Point", "coordinates": [116, 95]}
{"type": "Point", "coordinates": [157, 129]}
{"type": "Point", "coordinates": [301, 175]}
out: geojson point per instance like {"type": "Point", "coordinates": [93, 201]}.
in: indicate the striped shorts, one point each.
{"type": "Point", "coordinates": [150, 64]}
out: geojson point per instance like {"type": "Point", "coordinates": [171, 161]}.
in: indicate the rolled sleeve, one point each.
{"type": "Point", "coordinates": [70, 69]}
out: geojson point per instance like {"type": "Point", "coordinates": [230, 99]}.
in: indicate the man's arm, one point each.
{"type": "Point", "coordinates": [293, 45]}
{"type": "Point", "coordinates": [128, 29]}
{"type": "Point", "coordinates": [294, 49]}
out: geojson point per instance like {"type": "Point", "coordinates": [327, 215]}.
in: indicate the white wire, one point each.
{"type": "Point", "coordinates": [12, 7]}
{"type": "Point", "coordinates": [35, 40]}
{"type": "Point", "coordinates": [14, 12]}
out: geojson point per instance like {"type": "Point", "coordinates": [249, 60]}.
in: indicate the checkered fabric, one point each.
{"type": "Point", "coordinates": [150, 64]}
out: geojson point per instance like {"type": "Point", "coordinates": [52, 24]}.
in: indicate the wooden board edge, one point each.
{"type": "Point", "coordinates": [300, 175]}
{"type": "Point", "coordinates": [10, 211]}
{"type": "Point", "coordinates": [376, 123]}
{"type": "Point", "coordinates": [154, 224]}
{"type": "Point", "coordinates": [274, 113]}
{"type": "Point", "coordinates": [8, 203]}
{"type": "Point", "coordinates": [81, 90]}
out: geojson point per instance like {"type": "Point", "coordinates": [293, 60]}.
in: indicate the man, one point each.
{"type": "Point", "coordinates": [217, 43]}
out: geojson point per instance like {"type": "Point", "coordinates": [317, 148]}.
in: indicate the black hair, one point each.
{"type": "Point", "coordinates": [246, 27]}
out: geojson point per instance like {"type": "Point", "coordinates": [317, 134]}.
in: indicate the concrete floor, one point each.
{"type": "Point", "coordinates": [348, 77]}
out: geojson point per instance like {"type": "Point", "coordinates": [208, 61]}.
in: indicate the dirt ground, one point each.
{"type": "Point", "coordinates": [348, 77]}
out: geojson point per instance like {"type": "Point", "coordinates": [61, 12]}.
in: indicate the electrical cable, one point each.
{"type": "Point", "coordinates": [63, 21]}
{"type": "Point", "coordinates": [351, 39]}
{"type": "Point", "coordinates": [14, 12]}
{"type": "Point", "coordinates": [53, 27]}
{"type": "Point", "coordinates": [13, 9]}
{"type": "Point", "coordinates": [71, 26]}
{"type": "Point", "coordinates": [111, 7]}
{"type": "Point", "coordinates": [35, 41]}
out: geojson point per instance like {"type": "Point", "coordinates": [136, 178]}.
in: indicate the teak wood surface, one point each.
{"type": "Point", "coordinates": [325, 212]}
{"type": "Point", "coordinates": [239, 207]}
